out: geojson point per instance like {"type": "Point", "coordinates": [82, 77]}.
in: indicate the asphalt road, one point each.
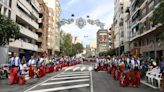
{"type": "Point", "coordinates": [78, 78]}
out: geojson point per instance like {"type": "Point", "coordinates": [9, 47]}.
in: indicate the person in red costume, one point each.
{"type": "Point", "coordinates": [14, 63]}
{"type": "Point", "coordinates": [31, 64]}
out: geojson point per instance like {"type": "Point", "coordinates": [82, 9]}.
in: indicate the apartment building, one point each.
{"type": "Point", "coordinates": [144, 35]}
{"type": "Point", "coordinates": [43, 27]}
{"type": "Point", "coordinates": [26, 14]}
{"type": "Point", "coordinates": [102, 40]}
{"type": "Point", "coordinates": [120, 26]}
{"type": "Point", "coordinates": [111, 33]}
{"type": "Point", "coordinates": [31, 16]}
{"type": "Point", "coordinates": [54, 31]}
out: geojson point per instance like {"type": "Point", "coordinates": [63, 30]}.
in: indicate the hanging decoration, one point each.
{"type": "Point", "coordinates": [81, 22]}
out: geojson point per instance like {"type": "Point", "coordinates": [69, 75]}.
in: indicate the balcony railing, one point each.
{"type": "Point", "coordinates": [27, 19]}
{"type": "Point", "coordinates": [28, 32]}
{"type": "Point", "coordinates": [29, 7]}
{"type": "Point", "coordinates": [24, 45]}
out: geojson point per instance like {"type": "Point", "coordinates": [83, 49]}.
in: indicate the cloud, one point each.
{"type": "Point", "coordinates": [71, 2]}
{"type": "Point", "coordinates": [102, 10]}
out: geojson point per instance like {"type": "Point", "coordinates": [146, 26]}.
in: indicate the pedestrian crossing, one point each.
{"type": "Point", "coordinates": [79, 68]}
{"type": "Point", "coordinates": [72, 79]}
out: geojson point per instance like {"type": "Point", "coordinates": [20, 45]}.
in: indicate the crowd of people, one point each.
{"type": "Point", "coordinates": [128, 69]}
{"type": "Point", "coordinates": [37, 66]}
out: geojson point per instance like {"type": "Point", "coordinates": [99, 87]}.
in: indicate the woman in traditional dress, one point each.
{"type": "Point", "coordinates": [31, 64]}
{"type": "Point", "coordinates": [22, 71]}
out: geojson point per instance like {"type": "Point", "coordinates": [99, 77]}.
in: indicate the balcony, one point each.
{"type": "Point", "coordinates": [39, 30]}
{"type": "Point", "coordinates": [39, 39]}
{"type": "Point", "coordinates": [40, 20]}
{"type": "Point", "coordinates": [26, 18]}
{"type": "Point", "coordinates": [29, 7]}
{"type": "Point", "coordinates": [28, 33]}
{"type": "Point", "coordinates": [24, 45]}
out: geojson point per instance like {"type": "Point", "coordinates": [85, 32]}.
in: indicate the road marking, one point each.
{"type": "Point", "coordinates": [145, 83]}
{"type": "Point", "coordinates": [83, 68]}
{"type": "Point", "coordinates": [77, 77]}
{"type": "Point", "coordinates": [90, 68]}
{"type": "Point", "coordinates": [69, 68]}
{"type": "Point", "coordinates": [40, 83]}
{"type": "Point", "coordinates": [66, 75]}
{"type": "Point", "coordinates": [62, 82]}
{"type": "Point", "coordinates": [61, 88]}
{"type": "Point", "coordinates": [91, 80]}
{"type": "Point", "coordinates": [76, 68]}
{"type": "Point", "coordinates": [70, 73]}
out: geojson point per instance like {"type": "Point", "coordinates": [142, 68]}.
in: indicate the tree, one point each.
{"type": "Point", "coordinates": [77, 48]}
{"type": "Point", "coordinates": [158, 16]}
{"type": "Point", "coordinates": [67, 47]}
{"type": "Point", "coordinates": [111, 52]}
{"type": "Point", "coordinates": [9, 30]}
{"type": "Point", "coordinates": [65, 44]}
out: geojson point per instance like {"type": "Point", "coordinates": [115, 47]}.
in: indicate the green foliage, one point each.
{"type": "Point", "coordinates": [109, 52]}
{"type": "Point", "coordinates": [66, 46]}
{"type": "Point", "coordinates": [77, 48]}
{"type": "Point", "coordinates": [158, 16]}
{"type": "Point", "coordinates": [8, 30]}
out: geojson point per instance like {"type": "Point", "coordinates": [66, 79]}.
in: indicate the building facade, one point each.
{"type": "Point", "coordinates": [144, 34]}
{"type": "Point", "coordinates": [111, 33]}
{"type": "Point", "coordinates": [53, 31]}
{"type": "Point", "coordinates": [102, 40]}
{"type": "Point", "coordinates": [120, 25]}
{"type": "Point", "coordinates": [43, 27]}
{"type": "Point", "coordinates": [26, 14]}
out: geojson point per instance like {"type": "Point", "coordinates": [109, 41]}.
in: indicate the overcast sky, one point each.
{"type": "Point", "coordinates": [96, 9]}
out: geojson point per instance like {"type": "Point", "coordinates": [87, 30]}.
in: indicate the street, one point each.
{"type": "Point", "coordinates": [79, 78]}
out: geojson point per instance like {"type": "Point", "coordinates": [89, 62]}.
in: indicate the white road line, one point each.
{"type": "Point", "coordinates": [75, 72]}
{"type": "Point", "coordinates": [71, 75]}
{"type": "Point", "coordinates": [62, 82]}
{"type": "Point", "coordinates": [77, 77]}
{"type": "Point", "coordinates": [61, 88]}
{"type": "Point", "coordinates": [69, 68]}
{"type": "Point", "coordinates": [40, 83]}
{"type": "Point", "coordinates": [90, 68]}
{"type": "Point", "coordinates": [145, 83]}
{"type": "Point", "coordinates": [83, 68]}
{"type": "Point", "coordinates": [76, 68]}
{"type": "Point", "coordinates": [91, 80]}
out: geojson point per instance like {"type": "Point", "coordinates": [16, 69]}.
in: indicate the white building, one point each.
{"type": "Point", "coordinates": [120, 25]}
{"type": "Point", "coordinates": [26, 14]}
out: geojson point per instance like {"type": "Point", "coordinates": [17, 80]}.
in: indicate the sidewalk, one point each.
{"type": "Point", "coordinates": [103, 82]}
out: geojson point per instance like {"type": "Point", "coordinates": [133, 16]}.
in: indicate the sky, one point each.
{"type": "Point", "coordinates": [96, 9]}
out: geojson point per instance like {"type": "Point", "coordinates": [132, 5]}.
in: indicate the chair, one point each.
{"type": "Point", "coordinates": [158, 79]}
